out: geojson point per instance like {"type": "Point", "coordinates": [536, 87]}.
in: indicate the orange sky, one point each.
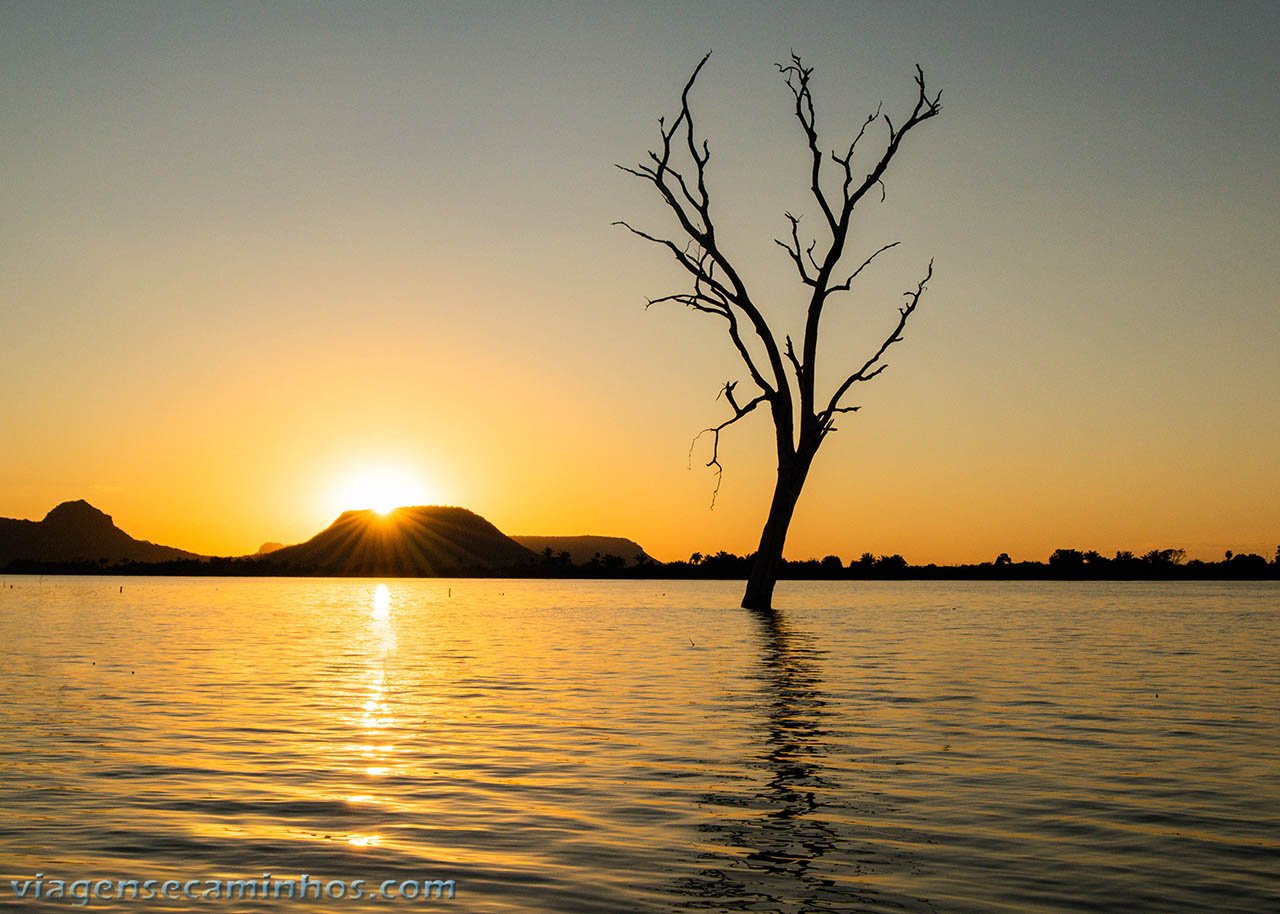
{"type": "Point", "coordinates": [255, 252]}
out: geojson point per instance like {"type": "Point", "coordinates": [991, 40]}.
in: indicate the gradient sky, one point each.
{"type": "Point", "coordinates": [250, 250]}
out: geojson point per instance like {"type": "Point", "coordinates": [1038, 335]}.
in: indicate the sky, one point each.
{"type": "Point", "coordinates": [255, 255]}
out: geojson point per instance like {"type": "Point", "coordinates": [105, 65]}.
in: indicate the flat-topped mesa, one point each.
{"type": "Point", "coordinates": [421, 541]}
{"type": "Point", "coordinates": [582, 549]}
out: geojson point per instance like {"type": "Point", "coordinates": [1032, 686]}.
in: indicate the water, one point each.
{"type": "Point", "coordinates": [646, 746]}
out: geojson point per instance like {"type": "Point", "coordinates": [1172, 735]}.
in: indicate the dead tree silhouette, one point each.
{"type": "Point", "coordinates": [783, 378]}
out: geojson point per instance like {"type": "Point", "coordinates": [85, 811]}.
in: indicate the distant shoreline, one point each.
{"type": "Point", "coordinates": [1064, 565]}
{"type": "Point", "coordinates": [435, 541]}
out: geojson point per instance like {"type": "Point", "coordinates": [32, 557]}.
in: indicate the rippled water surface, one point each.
{"type": "Point", "coordinates": [647, 746]}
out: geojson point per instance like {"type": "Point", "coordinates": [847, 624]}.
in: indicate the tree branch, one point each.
{"type": "Point", "coordinates": [846, 160]}
{"type": "Point", "coordinates": [828, 418]}
{"type": "Point", "coordinates": [873, 366]}
{"type": "Point", "coordinates": [795, 362]}
{"type": "Point", "coordinates": [848, 283]}
{"type": "Point", "coordinates": [693, 265]}
{"type": "Point", "coordinates": [793, 250]}
{"type": "Point", "coordinates": [715, 430]}
{"type": "Point", "coordinates": [692, 212]}
{"type": "Point", "coordinates": [718, 304]}
{"type": "Point", "coordinates": [797, 77]}
{"type": "Point", "coordinates": [690, 300]}
{"type": "Point", "coordinates": [925, 108]}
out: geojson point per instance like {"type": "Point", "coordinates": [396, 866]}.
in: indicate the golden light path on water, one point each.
{"type": "Point", "coordinates": [376, 721]}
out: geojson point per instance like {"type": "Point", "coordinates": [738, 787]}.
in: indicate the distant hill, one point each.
{"type": "Point", "coordinates": [421, 541]}
{"type": "Point", "coordinates": [409, 542]}
{"type": "Point", "coordinates": [76, 531]}
{"type": "Point", "coordinates": [583, 549]}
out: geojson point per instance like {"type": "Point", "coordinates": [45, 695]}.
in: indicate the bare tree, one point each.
{"type": "Point", "coordinates": [783, 378]}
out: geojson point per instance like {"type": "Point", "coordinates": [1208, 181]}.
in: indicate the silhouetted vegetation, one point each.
{"type": "Point", "coordinates": [454, 542]}
{"type": "Point", "coordinates": [1061, 565]}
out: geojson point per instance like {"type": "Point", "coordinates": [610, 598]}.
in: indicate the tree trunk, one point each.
{"type": "Point", "coordinates": [768, 561]}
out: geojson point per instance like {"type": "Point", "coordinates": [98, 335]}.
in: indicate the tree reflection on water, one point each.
{"type": "Point", "coordinates": [792, 842]}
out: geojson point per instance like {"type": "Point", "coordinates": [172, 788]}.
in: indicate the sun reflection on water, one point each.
{"type": "Point", "coordinates": [381, 603]}
{"type": "Point", "coordinates": [380, 624]}
{"type": "Point", "coordinates": [375, 720]}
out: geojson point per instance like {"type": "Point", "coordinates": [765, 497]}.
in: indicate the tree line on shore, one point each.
{"type": "Point", "coordinates": [1062, 564]}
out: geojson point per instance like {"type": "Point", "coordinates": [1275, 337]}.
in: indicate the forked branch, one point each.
{"type": "Point", "coordinates": [839, 216]}
{"type": "Point", "coordinates": [797, 76]}
{"type": "Point", "coordinates": [792, 248]}
{"type": "Point", "coordinates": [715, 430]}
{"type": "Point", "coordinates": [874, 366]}
{"type": "Point", "coordinates": [714, 275]}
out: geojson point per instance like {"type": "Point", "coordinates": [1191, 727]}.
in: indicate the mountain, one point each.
{"type": "Point", "coordinates": [421, 541]}
{"type": "Point", "coordinates": [76, 531]}
{"type": "Point", "coordinates": [408, 542]}
{"type": "Point", "coordinates": [583, 549]}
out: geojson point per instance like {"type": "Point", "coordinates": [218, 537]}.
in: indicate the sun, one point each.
{"type": "Point", "coordinates": [382, 489]}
